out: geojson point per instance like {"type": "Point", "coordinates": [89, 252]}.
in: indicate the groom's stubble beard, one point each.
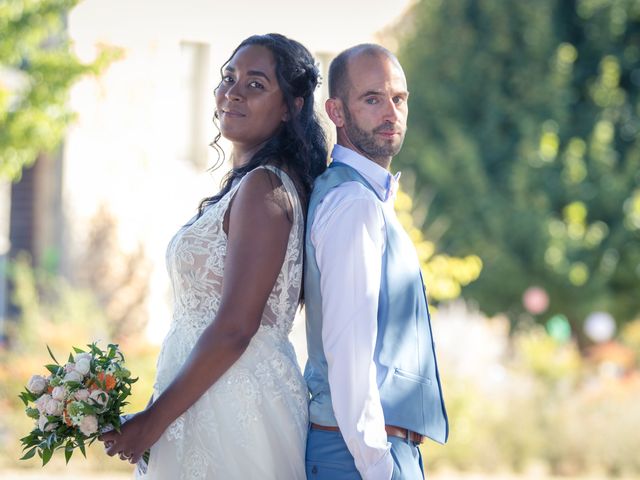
{"type": "Point", "coordinates": [367, 143]}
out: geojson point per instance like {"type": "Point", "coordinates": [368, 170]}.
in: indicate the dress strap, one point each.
{"type": "Point", "coordinates": [289, 186]}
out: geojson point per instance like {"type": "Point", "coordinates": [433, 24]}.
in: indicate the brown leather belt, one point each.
{"type": "Point", "coordinates": [390, 429]}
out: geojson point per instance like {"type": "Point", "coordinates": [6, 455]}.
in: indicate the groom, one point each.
{"type": "Point", "coordinates": [372, 372]}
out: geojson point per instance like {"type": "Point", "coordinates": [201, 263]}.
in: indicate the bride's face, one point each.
{"type": "Point", "coordinates": [250, 104]}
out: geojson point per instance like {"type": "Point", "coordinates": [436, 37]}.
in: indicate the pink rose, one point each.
{"type": "Point", "coordinates": [59, 393]}
{"type": "Point", "coordinates": [44, 425]}
{"type": "Point", "coordinates": [41, 403]}
{"type": "Point", "coordinates": [54, 407]}
{"type": "Point", "coordinates": [37, 384]}
{"type": "Point", "coordinates": [73, 376]}
{"type": "Point", "coordinates": [89, 425]}
{"type": "Point", "coordinates": [82, 395]}
{"type": "Point", "coordinates": [99, 397]}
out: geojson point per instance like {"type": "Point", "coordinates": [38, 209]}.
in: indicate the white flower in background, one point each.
{"type": "Point", "coordinates": [54, 407]}
{"type": "Point", "coordinates": [37, 384]}
{"type": "Point", "coordinates": [41, 403]}
{"type": "Point", "coordinates": [82, 395]}
{"type": "Point", "coordinates": [59, 393]}
{"type": "Point", "coordinates": [99, 397]}
{"type": "Point", "coordinates": [89, 424]}
{"type": "Point", "coordinates": [83, 366]}
{"type": "Point", "coordinates": [73, 376]}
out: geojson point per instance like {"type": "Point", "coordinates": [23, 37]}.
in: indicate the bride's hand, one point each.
{"type": "Point", "coordinates": [136, 436]}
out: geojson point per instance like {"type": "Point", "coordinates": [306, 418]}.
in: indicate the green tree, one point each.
{"type": "Point", "coordinates": [525, 136]}
{"type": "Point", "coordinates": [37, 69]}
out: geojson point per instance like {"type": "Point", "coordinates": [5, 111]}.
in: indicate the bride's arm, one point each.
{"type": "Point", "coordinates": [258, 233]}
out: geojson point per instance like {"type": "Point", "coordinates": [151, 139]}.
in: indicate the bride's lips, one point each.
{"type": "Point", "coordinates": [233, 113]}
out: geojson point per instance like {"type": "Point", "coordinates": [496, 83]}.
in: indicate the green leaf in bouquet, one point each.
{"type": "Point", "coordinates": [80, 441]}
{"type": "Point", "coordinates": [46, 455]}
{"type": "Point", "coordinates": [29, 454]}
{"type": "Point", "coordinates": [52, 356]}
{"type": "Point", "coordinates": [68, 451]}
{"type": "Point", "coordinates": [70, 359]}
{"type": "Point", "coordinates": [32, 413]}
{"type": "Point", "coordinates": [53, 368]}
{"type": "Point", "coordinates": [78, 350]}
{"type": "Point", "coordinates": [30, 440]}
{"type": "Point", "coordinates": [26, 397]}
{"type": "Point", "coordinates": [73, 385]}
{"type": "Point", "coordinates": [51, 441]}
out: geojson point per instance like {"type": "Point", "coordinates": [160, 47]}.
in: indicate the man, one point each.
{"type": "Point", "coordinates": [372, 373]}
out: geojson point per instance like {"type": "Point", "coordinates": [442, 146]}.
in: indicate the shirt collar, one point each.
{"type": "Point", "coordinates": [386, 185]}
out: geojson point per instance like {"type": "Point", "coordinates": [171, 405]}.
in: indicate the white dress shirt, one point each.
{"type": "Point", "coordinates": [349, 240]}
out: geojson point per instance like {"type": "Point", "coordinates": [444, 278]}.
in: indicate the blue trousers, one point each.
{"type": "Point", "coordinates": [329, 459]}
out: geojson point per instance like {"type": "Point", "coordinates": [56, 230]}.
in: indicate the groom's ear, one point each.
{"type": "Point", "coordinates": [335, 110]}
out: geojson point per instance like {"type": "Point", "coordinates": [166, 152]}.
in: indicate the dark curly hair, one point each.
{"type": "Point", "coordinates": [300, 143]}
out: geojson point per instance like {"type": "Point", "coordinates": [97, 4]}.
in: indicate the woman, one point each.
{"type": "Point", "coordinates": [229, 399]}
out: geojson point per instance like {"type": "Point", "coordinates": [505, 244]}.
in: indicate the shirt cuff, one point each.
{"type": "Point", "coordinates": [382, 469]}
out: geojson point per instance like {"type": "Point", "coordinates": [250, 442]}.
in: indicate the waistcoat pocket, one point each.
{"type": "Point", "coordinates": [411, 376]}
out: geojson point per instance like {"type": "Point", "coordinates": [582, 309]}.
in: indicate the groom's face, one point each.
{"type": "Point", "coordinates": [375, 106]}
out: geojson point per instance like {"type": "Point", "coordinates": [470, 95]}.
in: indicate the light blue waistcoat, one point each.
{"type": "Point", "coordinates": [407, 370]}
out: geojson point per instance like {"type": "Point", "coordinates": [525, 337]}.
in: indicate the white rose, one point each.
{"type": "Point", "coordinates": [42, 422]}
{"type": "Point", "coordinates": [83, 356]}
{"type": "Point", "coordinates": [89, 424]}
{"type": "Point", "coordinates": [73, 376]}
{"type": "Point", "coordinates": [82, 395]}
{"type": "Point", "coordinates": [41, 403]}
{"type": "Point", "coordinates": [83, 366]}
{"type": "Point", "coordinates": [69, 367]}
{"type": "Point", "coordinates": [45, 425]}
{"type": "Point", "coordinates": [54, 407]}
{"type": "Point", "coordinates": [59, 393]}
{"type": "Point", "coordinates": [99, 397]}
{"type": "Point", "coordinates": [37, 384]}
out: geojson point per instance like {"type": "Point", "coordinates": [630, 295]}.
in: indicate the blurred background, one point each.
{"type": "Point", "coordinates": [521, 190]}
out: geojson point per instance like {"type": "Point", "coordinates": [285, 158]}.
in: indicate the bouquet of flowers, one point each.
{"type": "Point", "coordinates": [76, 402]}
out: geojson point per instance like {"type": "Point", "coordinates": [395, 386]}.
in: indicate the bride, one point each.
{"type": "Point", "coordinates": [229, 399]}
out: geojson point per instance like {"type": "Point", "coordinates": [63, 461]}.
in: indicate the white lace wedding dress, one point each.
{"type": "Point", "coordinates": [252, 423]}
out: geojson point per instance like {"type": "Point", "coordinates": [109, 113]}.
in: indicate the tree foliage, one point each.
{"type": "Point", "coordinates": [525, 136]}
{"type": "Point", "coordinates": [37, 69]}
{"type": "Point", "coordinates": [444, 276]}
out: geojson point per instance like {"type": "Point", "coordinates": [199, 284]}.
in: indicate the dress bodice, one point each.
{"type": "Point", "coordinates": [195, 261]}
